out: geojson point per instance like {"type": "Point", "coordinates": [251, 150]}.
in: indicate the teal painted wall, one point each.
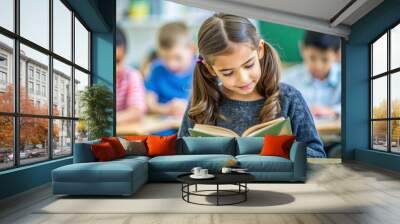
{"type": "Point", "coordinates": [356, 86]}
{"type": "Point", "coordinates": [24, 178]}
{"type": "Point", "coordinates": [99, 15]}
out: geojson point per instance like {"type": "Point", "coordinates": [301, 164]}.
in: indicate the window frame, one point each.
{"type": "Point", "coordinates": [16, 115]}
{"type": "Point", "coordinates": [388, 74]}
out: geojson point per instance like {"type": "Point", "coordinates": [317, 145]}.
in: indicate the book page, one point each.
{"type": "Point", "coordinates": [215, 130]}
{"type": "Point", "coordinates": [260, 126]}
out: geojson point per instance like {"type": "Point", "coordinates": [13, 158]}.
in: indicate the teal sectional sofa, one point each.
{"type": "Point", "coordinates": [125, 176]}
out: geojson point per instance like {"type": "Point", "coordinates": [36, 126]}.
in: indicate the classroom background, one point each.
{"type": "Point", "coordinates": [140, 21]}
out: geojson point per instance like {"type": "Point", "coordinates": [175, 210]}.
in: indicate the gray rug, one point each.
{"type": "Point", "coordinates": [166, 198]}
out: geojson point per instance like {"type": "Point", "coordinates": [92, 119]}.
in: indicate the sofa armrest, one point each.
{"type": "Point", "coordinates": [83, 152]}
{"type": "Point", "coordinates": [298, 156]}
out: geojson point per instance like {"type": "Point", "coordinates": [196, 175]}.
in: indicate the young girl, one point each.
{"type": "Point", "coordinates": [236, 83]}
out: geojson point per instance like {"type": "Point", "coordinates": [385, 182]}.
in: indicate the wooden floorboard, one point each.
{"type": "Point", "coordinates": [377, 189]}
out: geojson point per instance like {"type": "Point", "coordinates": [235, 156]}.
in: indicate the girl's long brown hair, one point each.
{"type": "Point", "coordinates": [215, 37]}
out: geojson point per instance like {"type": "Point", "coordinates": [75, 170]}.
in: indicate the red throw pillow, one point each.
{"type": "Point", "coordinates": [161, 145]}
{"type": "Point", "coordinates": [103, 152]}
{"type": "Point", "coordinates": [277, 145]}
{"type": "Point", "coordinates": [116, 145]}
{"type": "Point", "coordinates": [136, 137]}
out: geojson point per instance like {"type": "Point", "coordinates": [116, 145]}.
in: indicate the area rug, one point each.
{"type": "Point", "coordinates": [167, 198]}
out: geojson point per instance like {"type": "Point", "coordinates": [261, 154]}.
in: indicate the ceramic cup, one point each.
{"type": "Point", "coordinates": [203, 172]}
{"type": "Point", "coordinates": [196, 171]}
{"type": "Point", "coordinates": [226, 170]}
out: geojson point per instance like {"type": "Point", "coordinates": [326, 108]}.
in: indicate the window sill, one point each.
{"type": "Point", "coordinates": [25, 167]}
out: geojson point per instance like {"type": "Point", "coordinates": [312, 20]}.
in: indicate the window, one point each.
{"type": "Point", "coordinates": [54, 126]}
{"type": "Point", "coordinates": [30, 72]}
{"type": "Point", "coordinates": [37, 75]}
{"type": "Point", "coordinates": [7, 14]}
{"type": "Point", "coordinates": [3, 71]}
{"type": "Point", "coordinates": [7, 88]}
{"type": "Point", "coordinates": [3, 78]}
{"type": "Point", "coordinates": [38, 89]}
{"type": "Point", "coordinates": [385, 95]}
{"type": "Point", "coordinates": [30, 87]}
{"type": "Point", "coordinates": [3, 61]}
{"type": "Point", "coordinates": [81, 45]}
{"type": "Point", "coordinates": [44, 91]}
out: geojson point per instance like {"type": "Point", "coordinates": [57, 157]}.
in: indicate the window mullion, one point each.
{"type": "Point", "coordinates": [50, 81]}
{"type": "Point", "coordinates": [73, 82]}
{"type": "Point", "coordinates": [16, 84]}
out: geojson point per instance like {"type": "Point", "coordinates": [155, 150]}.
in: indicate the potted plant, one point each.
{"type": "Point", "coordinates": [96, 103]}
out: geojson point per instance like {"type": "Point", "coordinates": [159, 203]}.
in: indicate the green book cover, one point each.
{"type": "Point", "coordinates": [280, 128]}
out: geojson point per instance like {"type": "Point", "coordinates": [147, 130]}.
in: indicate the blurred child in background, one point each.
{"type": "Point", "coordinates": [319, 77]}
{"type": "Point", "coordinates": [131, 94]}
{"type": "Point", "coordinates": [170, 79]}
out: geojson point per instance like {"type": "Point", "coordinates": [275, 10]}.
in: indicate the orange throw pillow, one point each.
{"type": "Point", "coordinates": [161, 145]}
{"type": "Point", "coordinates": [277, 145]}
{"type": "Point", "coordinates": [116, 145]}
{"type": "Point", "coordinates": [103, 152]}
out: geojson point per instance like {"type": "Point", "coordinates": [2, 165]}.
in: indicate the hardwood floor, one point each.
{"type": "Point", "coordinates": [377, 188]}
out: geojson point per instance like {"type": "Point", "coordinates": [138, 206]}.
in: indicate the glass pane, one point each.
{"type": "Point", "coordinates": [81, 45]}
{"type": "Point", "coordinates": [379, 135]}
{"type": "Point", "coordinates": [395, 136]}
{"type": "Point", "coordinates": [35, 21]}
{"type": "Point", "coordinates": [62, 138]}
{"type": "Point", "coordinates": [379, 55]}
{"type": "Point", "coordinates": [62, 29]}
{"type": "Point", "coordinates": [81, 131]}
{"type": "Point", "coordinates": [395, 47]}
{"type": "Point", "coordinates": [379, 97]}
{"type": "Point", "coordinates": [395, 94]}
{"type": "Point", "coordinates": [6, 142]}
{"type": "Point", "coordinates": [81, 81]}
{"type": "Point", "coordinates": [34, 97]}
{"type": "Point", "coordinates": [33, 139]}
{"type": "Point", "coordinates": [62, 89]}
{"type": "Point", "coordinates": [6, 74]}
{"type": "Point", "coordinates": [7, 14]}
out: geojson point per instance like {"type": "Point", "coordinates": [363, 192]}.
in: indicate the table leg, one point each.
{"type": "Point", "coordinates": [245, 193]}
{"type": "Point", "coordinates": [196, 188]}
{"type": "Point", "coordinates": [217, 194]}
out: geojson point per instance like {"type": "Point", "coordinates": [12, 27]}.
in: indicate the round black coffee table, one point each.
{"type": "Point", "coordinates": [238, 179]}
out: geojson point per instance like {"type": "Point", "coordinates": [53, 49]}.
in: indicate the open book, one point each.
{"type": "Point", "coordinates": [279, 126]}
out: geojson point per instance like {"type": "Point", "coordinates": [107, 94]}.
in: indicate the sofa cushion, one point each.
{"type": "Point", "coordinates": [111, 171]}
{"type": "Point", "coordinates": [116, 145]}
{"type": "Point", "coordinates": [277, 145]}
{"type": "Point", "coordinates": [257, 163]}
{"type": "Point", "coordinates": [249, 145]}
{"type": "Point", "coordinates": [185, 163]}
{"type": "Point", "coordinates": [103, 152]}
{"type": "Point", "coordinates": [161, 145]}
{"type": "Point", "coordinates": [134, 147]}
{"type": "Point", "coordinates": [206, 145]}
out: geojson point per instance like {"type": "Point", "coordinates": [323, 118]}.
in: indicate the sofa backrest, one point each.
{"type": "Point", "coordinates": [206, 145]}
{"type": "Point", "coordinates": [249, 145]}
{"type": "Point", "coordinates": [83, 152]}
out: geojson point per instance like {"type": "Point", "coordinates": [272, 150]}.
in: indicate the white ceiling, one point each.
{"type": "Point", "coordinates": [324, 16]}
